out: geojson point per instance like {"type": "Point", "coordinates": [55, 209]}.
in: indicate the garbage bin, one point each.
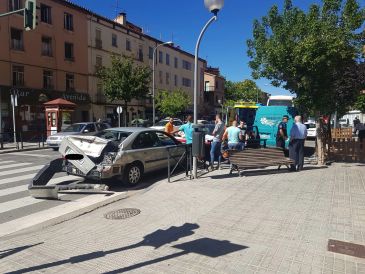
{"type": "Point", "coordinates": [198, 146]}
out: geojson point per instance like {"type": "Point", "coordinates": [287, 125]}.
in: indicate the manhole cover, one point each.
{"type": "Point", "coordinates": [122, 213]}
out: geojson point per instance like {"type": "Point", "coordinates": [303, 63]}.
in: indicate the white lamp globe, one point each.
{"type": "Point", "coordinates": [214, 5]}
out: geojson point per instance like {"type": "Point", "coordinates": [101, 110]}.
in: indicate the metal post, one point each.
{"type": "Point", "coordinates": [14, 124]}
{"type": "Point", "coordinates": [153, 87]}
{"type": "Point", "coordinates": [214, 18]}
{"type": "Point", "coordinates": [168, 165]}
{"type": "Point", "coordinates": [119, 119]}
{"type": "Point", "coordinates": [12, 12]}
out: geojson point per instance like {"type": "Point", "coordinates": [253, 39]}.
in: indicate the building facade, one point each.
{"type": "Point", "coordinates": [214, 85]}
{"type": "Point", "coordinates": [173, 68]}
{"type": "Point", "coordinates": [43, 64]}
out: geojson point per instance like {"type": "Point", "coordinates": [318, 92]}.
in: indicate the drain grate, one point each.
{"type": "Point", "coordinates": [122, 213]}
{"type": "Point", "coordinates": [346, 248]}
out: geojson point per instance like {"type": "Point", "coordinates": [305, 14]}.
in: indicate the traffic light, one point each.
{"type": "Point", "coordinates": [30, 15]}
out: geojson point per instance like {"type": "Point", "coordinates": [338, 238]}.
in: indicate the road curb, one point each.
{"type": "Point", "coordinates": [66, 217]}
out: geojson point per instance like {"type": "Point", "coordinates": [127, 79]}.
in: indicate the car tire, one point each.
{"type": "Point", "coordinates": [133, 174]}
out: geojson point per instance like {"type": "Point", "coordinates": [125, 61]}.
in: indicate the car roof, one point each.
{"type": "Point", "coordinates": [131, 129]}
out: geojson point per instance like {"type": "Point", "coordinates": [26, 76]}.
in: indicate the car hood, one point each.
{"type": "Point", "coordinates": [158, 127]}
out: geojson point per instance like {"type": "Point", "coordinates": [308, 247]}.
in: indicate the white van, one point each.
{"type": "Point", "coordinates": [280, 100]}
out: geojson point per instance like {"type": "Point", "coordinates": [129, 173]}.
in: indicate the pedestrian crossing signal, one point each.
{"type": "Point", "coordinates": [30, 15]}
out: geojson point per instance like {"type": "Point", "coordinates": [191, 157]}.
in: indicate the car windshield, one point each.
{"type": "Point", "coordinates": [74, 128]}
{"type": "Point", "coordinates": [310, 126]}
{"type": "Point", "coordinates": [113, 135]}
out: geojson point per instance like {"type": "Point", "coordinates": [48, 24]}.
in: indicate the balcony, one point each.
{"type": "Point", "coordinates": [98, 43]}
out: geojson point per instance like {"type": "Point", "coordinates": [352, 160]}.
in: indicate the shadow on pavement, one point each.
{"type": "Point", "coordinates": [12, 251]}
{"type": "Point", "coordinates": [264, 172]}
{"type": "Point", "coordinates": [205, 246]}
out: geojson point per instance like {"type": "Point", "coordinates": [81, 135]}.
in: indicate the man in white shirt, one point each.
{"type": "Point", "coordinates": [298, 134]}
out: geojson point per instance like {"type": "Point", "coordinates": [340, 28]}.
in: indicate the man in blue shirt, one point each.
{"type": "Point", "coordinates": [187, 129]}
{"type": "Point", "coordinates": [298, 134]}
{"type": "Point", "coordinates": [234, 135]}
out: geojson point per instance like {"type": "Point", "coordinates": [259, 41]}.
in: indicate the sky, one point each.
{"type": "Point", "coordinates": [224, 43]}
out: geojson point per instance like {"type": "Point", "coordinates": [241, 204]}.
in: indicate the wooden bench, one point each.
{"type": "Point", "coordinates": [258, 158]}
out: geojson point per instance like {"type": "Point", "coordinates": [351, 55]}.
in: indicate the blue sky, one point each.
{"type": "Point", "coordinates": [224, 44]}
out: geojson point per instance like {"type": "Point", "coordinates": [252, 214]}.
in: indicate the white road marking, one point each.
{"type": "Point", "coordinates": [34, 155]}
{"type": "Point", "coordinates": [20, 170]}
{"type": "Point", "coordinates": [17, 178]}
{"type": "Point", "coordinates": [14, 165]}
{"type": "Point", "coordinates": [24, 187]}
{"type": "Point", "coordinates": [60, 212]}
{"type": "Point", "coordinates": [6, 162]}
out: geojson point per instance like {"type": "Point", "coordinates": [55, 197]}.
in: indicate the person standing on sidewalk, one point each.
{"type": "Point", "coordinates": [298, 134]}
{"type": "Point", "coordinates": [215, 148]}
{"type": "Point", "coordinates": [169, 127]}
{"type": "Point", "coordinates": [234, 135]}
{"type": "Point", "coordinates": [187, 129]}
{"type": "Point", "coordinates": [282, 134]}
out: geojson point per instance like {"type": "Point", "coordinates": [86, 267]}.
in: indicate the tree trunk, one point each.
{"type": "Point", "coordinates": [322, 141]}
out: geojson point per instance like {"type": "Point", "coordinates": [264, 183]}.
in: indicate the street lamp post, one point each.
{"type": "Point", "coordinates": [213, 6]}
{"type": "Point", "coordinates": [153, 79]}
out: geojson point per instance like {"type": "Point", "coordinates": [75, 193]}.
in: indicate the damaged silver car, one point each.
{"type": "Point", "coordinates": [121, 153]}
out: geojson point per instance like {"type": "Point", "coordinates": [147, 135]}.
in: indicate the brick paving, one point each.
{"type": "Point", "coordinates": [264, 222]}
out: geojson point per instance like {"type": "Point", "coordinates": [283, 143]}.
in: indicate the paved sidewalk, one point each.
{"type": "Point", "coordinates": [265, 222]}
{"type": "Point", "coordinates": [27, 146]}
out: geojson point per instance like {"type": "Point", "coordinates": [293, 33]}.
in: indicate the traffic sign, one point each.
{"type": "Point", "coordinates": [119, 109]}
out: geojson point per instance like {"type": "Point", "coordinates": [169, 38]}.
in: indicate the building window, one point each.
{"type": "Point", "coordinates": [186, 65]}
{"type": "Point", "coordinates": [150, 53]}
{"type": "Point", "coordinates": [46, 46]}
{"type": "Point", "coordinates": [17, 39]}
{"type": "Point", "coordinates": [114, 40]}
{"type": "Point", "coordinates": [160, 77]}
{"type": "Point", "coordinates": [176, 61]}
{"type": "Point", "coordinates": [175, 80]}
{"type": "Point", "coordinates": [46, 14]}
{"type": "Point", "coordinates": [167, 59]}
{"type": "Point", "coordinates": [167, 78]}
{"type": "Point", "coordinates": [69, 51]}
{"type": "Point", "coordinates": [70, 82]}
{"type": "Point", "coordinates": [99, 86]}
{"type": "Point", "coordinates": [186, 82]}
{"type": "Point", "coordinates": [47, 79]}
{"type": "Point", "coordinates": [140, 53]}
{"type": "Point", "coordinates": [128, 45]}
{"type": "Point", "coordinates": [15, 5]}
{"type": "Point", "coordinates": [99, 61]}
{"type": "Point", "coordinates": [98, 41]}
{"type": "Point", "coordinates": [160, 57]}
{"type": "Point", "coordinates": [68, 21]}
{"type": "Point", "coordinates": [18, 76]}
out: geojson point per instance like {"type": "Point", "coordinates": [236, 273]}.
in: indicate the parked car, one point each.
{"type": "Point", "coordinates": [140, 123]}
{"type": "Point", "coordinates": [89, 128]}
{"type": "Point", "coordinates": [161, 124]}
{"type": "Point", "coordinates": [311, 130]}
{"type": "Point", "coordinates": [121, 153]}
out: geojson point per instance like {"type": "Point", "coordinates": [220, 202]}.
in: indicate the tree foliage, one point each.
{"type": "Point", "coordinates": [246, 90]}
{"type": "Point", "coordinates": [171, 103]}
{"type": "Point", "coordinates": [360, 103]}
{"type": "Point", "coordinates": [124, 80]}
{"type": "Point", "coordinates": [314, 54]}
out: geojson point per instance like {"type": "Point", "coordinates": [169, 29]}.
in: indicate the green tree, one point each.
{"type": "Point", "coordinates": [171, 103]}
{"type": "Point", "coordinates": [360, 103]}
{"type": "Point", "coordinates": [246, 90]}
{"type": "Point", "coordinates": [314, 54]}
{"type": "Point", "coordinates": [124, 80]}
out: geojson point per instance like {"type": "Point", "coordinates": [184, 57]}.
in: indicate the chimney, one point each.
{"type": "Point", "coordinates": [121, 19]}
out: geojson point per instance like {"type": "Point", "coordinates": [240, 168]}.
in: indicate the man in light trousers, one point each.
{"type": "Point", "coordinates": [215, 148]}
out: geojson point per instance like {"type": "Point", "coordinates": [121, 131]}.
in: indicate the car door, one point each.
{"type": "Point", "coordinates": [147, 149]}
{"type": "Point", "coordinates": [171, 148]}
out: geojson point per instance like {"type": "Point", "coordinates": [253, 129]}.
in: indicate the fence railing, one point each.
{"type": "Point", "coordinates": [342, 133]}
{"type": "Point", "coordinates": [348, 150]}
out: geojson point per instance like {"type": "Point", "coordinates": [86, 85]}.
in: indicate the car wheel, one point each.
{"type": "Point", "coordinates": [133, 174]}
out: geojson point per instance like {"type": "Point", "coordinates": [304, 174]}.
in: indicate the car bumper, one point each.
{"type": "Point", "coordinates": [98, 173]}
{"type": "Point", "coordinates": [52, 143]}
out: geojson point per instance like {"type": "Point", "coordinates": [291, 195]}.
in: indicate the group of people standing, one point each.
{"type": "Point", "coordinates": [298, 134]}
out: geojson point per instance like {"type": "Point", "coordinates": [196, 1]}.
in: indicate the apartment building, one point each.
{"type": "Point", "coordinates": [47, 63]}
{"type": "Point", "coordinates": [173, 68]}
{"type": "Point", "coordinates": [214, 85]}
